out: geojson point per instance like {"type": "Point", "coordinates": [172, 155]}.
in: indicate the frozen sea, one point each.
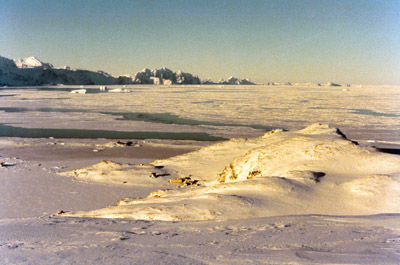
{"type": "Point", "coordinates": [367, 113]}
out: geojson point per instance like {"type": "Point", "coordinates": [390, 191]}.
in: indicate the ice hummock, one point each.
{"type": "Point", "coordinates": [315, 170]}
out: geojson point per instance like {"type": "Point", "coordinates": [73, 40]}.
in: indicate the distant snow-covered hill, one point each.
{"type": "Point", "coordinates": [31, 71]}
{"type": "Point", "coordinates": [31, 62]}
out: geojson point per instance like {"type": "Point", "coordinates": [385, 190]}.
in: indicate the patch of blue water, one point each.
{"type": "Point", "coordinates": [12, 131]}
{"type": "Point", "coordinates": [373, 113]}
{"type": "Point", "coordinates": [163, 118]}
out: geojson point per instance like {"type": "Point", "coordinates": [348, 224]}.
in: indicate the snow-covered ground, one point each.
{"type": "Point", "coordinates": [303, 196]}
{"type": "Point", "coordinates": [311, 239]}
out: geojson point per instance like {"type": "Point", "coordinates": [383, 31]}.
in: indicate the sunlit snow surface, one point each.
{"type": "Point", "coordinates": [310, 171]}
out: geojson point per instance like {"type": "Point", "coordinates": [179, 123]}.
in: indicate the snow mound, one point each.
{"type": "Point", "coordinates": [380, 191]}
{"type": "Point", "coordinates": [116, 173]}
{"type": "Point", "coordinates": [311, 171]}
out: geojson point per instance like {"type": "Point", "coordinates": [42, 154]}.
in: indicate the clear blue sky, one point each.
{"type": "Point", "coordinates": [298, 41]}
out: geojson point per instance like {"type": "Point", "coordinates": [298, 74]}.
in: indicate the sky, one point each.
{"type": "Point", "coordinates": [266, 41]}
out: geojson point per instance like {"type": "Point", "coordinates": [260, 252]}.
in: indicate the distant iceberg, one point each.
{"type": "Point", "coordinates": [236, 81]}
{"type": "Point", "coordinates": [164, 76]}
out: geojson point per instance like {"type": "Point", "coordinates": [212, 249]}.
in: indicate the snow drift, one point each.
{"type": "Point", "coordinates": [311, 171]}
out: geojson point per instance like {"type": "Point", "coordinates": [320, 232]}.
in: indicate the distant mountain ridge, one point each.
{"type": "Point", "coordinates": [31, 71]}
